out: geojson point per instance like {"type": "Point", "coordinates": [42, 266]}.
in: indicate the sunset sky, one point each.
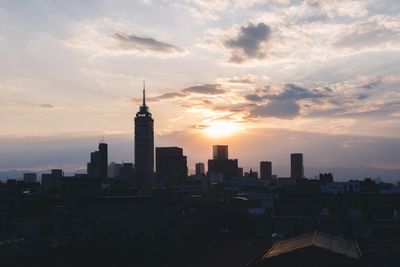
{"type": "Point", "coordinates": [266, 77]}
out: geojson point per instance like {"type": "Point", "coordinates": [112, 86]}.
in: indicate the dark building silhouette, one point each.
{"type": "Point", "coordinates": [200, 169]}
{"type": "Point", "coordinates": [30, 177]}
{"type": "Point", "coordinates": [296, 166]}
{"type": "Point", "coordinates": [325, 178]}
{"type": "Point", "coordinates": [57, 173]}
{"type": "Point", "coordinates": [220, 152]}
{"type": "Point", "coordinates": [144, 144]}
{"type": "Point", "coordinates": [222, 164]}
{"type": "Point", "coordinates": [171, 165]}
{"type": "Point", "coordinates": [127, 171]}
{"type": "Point", "coordinates": [98, 165]}
{"type": "Point", "coordinates": [265, 170]}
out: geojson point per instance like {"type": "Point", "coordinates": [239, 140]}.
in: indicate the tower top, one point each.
{"type": "Point", "coordinates": [144, 93]}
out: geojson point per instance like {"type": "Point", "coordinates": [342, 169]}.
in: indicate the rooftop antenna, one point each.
{"type": "Point", "coordinates": [102, 139]}
{"type": "Point", "coordinates": [144, 93]}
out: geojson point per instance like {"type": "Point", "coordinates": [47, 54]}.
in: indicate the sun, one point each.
{"type": "Point", "coordinates": [221, 129]}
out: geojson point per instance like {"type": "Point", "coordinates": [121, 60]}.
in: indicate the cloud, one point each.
{"type": "Point", "coordinates": [166, 96]}
{"type": "Point", "coordinates": [249, 43]}
{"type": "Point", "coordinates": [46, 106]}
{"type": "Point", "coordinates": [106, 37]}
{"type": "Point", "coordinates": [206, 89]}
{"type": "Point", "coordinates": [283, 109]}
{"type": "Point", "coordinates": [143, 44]}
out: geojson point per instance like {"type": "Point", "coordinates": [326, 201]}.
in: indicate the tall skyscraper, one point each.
{"type": "Point", "coordinates": [144, 144]}
{"type": "Point", "coordinates": [296, 166]}
{"type": "Point", "coordinates": [98, 165]}
{"type": "Point", "coordinates": [220, 152]}
{"type": "Point", "coordinates": [200, 170]}
{"type": "Point", "coordinates": [265, 170]}
{"type": "Point", "coordinates": [222, 164]}
{"type": "Point", "coordinates": [171, 165]}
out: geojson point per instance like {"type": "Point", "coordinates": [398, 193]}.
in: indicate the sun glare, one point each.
{"type": "Point", "coordinates": [221, 129]}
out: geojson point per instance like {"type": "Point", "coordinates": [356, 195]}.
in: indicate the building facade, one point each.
{"type": "Point", "coordinates": [265, 170]}
{"type": "Point", "coordinates": [296, 166]}
{"type": "Point", "coordinates": [171, 165]}
{"type": "Point", "coordinates": [144, 144]}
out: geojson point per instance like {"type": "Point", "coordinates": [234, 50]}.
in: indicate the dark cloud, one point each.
{"type": "Point", "coordinates": [241, 80]}
{"type": "Point", "coordinates": [248, 44]}
{"type": "Point", "coordinates": [254, 98]}
{"type": "Point", "coordinates": [206, 89]}
{"type": "Point", "coordinates": [284, 109]}
{"type": "Point", "coordinates": [131, 41]}
{"type": "Point", "coordinates": [165, 96]}
{"type": "Point", "coordinates": [46, 106]}
{"type": "Point", "coordinates": [295, 92]}
{"type": "Point", "coordinates": [284, 104]}
{"type": "Point", "coordinates": [361, 96]}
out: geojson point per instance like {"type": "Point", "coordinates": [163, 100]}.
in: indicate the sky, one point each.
{"type": "Point", "coordinates": [266, 77]}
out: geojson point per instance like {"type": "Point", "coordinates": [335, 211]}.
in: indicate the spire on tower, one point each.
{"type": "Point", "coordinates": [144, 93]}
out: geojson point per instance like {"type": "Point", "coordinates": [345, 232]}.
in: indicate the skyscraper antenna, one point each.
{"type": "Point", "coordinates": [144, 93]}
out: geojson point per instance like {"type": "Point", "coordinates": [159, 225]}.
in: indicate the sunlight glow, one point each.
{"type": "Point", "coordinates": [221, 129]}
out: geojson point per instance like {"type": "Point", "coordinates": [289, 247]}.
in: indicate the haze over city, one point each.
{"type": "Point", "coordinates": [267, 78]}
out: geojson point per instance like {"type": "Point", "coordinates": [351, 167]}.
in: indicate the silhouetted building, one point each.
{"type": "Point", "coordinates": [265, 170]}
{"type": "Point", "coordinates": [220, 152]}
{"type": "Point", "coordinates": [200, 170]}
{"type": "Point", "coordinates": [240, 172]}
{"type": "Point", "coordinates": [220, 163]}
{"type": "Point", "coordinates": [30, 177]}
{"type": "Point", "coordinates": [296, 166]}
{"type": "Point", "coordinates": [98, 165]}
{"type": "Point", "coordinates": [171, 165]}
{"type": "Point", "coordinates": [114, 169]}
{"type": "Point", "coordinates": [52, 181]}
{"type": "Point", "coordinates": [127, 171]}
{"type": "Point", "coordinates": [325, 178]}
{"type": "Point", "coordinates": [251, 174]}
{"type": "Point", "coordinates": [57, 173]}
{"type": "Point", "coordinates": [144, 144]}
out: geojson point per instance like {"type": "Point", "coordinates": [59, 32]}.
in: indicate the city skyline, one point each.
{"type": "Point", "coordinates": [236, 74]}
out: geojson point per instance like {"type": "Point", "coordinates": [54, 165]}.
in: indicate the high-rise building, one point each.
{"type": "Point", "coordinates": [98, 165]}
{"type": "Point", "coordinates": [200, 170]}
{"type": "Point", "coordinates": [220, 152]}
{"type": "Point", "coordinates": [30, 177]}
{"type": "Point", "coordinates": [222, 164]}
{"type": "Point", "coordinates": [144, 144]}
{"type": "Point", "coordinates": [171, 165]}
{"type": "Point", "coordinates": [114, 169]}
{"type": "Point", "coordinates": [265, 170]}
{"type": "Point", "coordinates": [296, 166]}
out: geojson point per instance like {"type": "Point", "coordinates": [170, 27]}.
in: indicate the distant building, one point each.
{"type": "Point", "coordinates": [221, 163]}
{"type": "Point", "coordinates": [240, 172]}
{"type": "Point", "coordinates": [251, 174]}
{"type": "Point", "coordinates": [265, 170]}
{"type": "Point", "coordinates": [52, 181]}
{"type": "Point", "coordinates": [296, 166]}
{"type": "Point", "coordinates": [200, 170]}
{"type": "Point", "coordinates": [114, 169]}
{"type": "Point", "coordinates": [325, 178]}
{"type": "Point", "coordinates": [98, 165]}
{"type": "Point", "coordinates": [171, 165]}
{"type": "Point", "coordinates": [57, 173]}
{"type": "Point", "coordinates": [30, 177]}
{"type": "Point", "coordinates": [144, 144]}
{"type": "Point", "coordinates": [127, 171]}
{"type": "Point", "coordinates": [220, 152]}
